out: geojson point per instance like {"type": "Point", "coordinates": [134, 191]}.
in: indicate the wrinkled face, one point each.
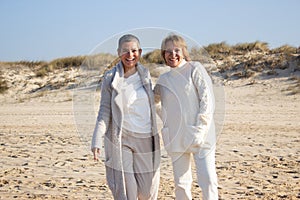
{"type": "Point", "coordinates": [129, 53]}
{"type": "Point", "coordinates": [173, 54]}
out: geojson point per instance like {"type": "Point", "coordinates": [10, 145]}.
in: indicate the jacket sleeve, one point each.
{"type": "Point", "coordinates": [104, 114]}
{"type": "Point", "coordinates": [204, 89]}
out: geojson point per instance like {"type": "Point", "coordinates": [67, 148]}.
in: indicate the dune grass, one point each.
{"type": "Point", "coordinates": [245, 59]}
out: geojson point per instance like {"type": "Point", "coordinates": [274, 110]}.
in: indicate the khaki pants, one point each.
{"type": "Point", "coordinates": [141, 179]}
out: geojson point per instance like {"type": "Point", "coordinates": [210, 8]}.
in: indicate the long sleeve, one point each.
{"type": "Point", "coordinates": [203, 85]}
{"type": "Point", "coordinates": [104, 114]}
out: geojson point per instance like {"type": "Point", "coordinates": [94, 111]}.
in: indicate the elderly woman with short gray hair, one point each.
{"type": "Point", "coordinates": [127, 119]}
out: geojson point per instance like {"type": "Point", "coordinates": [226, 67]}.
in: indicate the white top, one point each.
{"type": "Point", "coordinates": [136, 105]}
{"type": "Point", "coordinates": [187, 108]}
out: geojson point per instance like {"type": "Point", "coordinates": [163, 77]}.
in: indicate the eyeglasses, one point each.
{"type": "Point", "coordinates": [175, 51]}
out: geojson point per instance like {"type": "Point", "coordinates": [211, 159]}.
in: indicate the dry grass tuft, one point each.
{"type": "Point", "coordinates": [285, 50]}
{"type": "Point", "coordinates": [3, 85]}
{"type": "Point", "coordinates": [153, 57]}
{"type": "Point", "coordinates": [60, 63]}
{"type": "Point", "coordinates": [246, 47]}
{"type": "Point", "coordinates": [218, 50]}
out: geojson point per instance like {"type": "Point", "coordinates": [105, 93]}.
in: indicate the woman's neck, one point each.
{"type": "Point", "coordinates": [128, 71]}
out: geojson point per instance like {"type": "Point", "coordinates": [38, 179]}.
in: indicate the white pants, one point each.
{"type": "Point", "coordinates": [206, 174]}
{"type": "Point", "coordinates": [141, 179]}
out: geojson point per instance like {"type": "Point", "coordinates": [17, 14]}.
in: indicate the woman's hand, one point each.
{"type": "Point", "coordinates": [96, 152]}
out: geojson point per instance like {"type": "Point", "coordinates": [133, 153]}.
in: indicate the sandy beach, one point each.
{"type": "Point", "coordinates": [43, 156]}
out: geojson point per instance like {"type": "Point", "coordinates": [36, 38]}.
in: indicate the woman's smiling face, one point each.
{"type": "Point", "coordinates": [130, 54]}
{"type": "Point", "coordinates": [173, 54]}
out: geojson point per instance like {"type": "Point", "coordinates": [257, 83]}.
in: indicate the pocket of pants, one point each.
{"type": "Point", "coordinates": [108, 162]}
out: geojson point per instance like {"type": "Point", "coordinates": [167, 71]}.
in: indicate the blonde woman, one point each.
{"type": "Point", "coordinates": [187, 105]}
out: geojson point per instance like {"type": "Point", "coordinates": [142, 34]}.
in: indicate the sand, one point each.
{"type": "Point", "coordinates": [43, 156]}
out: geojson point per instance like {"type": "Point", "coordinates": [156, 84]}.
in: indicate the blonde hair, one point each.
{"type": "Point", "coordinates": [178, 41]}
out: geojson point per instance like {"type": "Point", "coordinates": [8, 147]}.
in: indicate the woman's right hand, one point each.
{"type": "Point", "coordinates": [96, 152]}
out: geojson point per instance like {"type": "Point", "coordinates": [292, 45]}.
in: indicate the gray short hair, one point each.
{"type": "Point", "coordinates": [128, 38]}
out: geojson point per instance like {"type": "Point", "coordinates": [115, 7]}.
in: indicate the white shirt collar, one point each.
{"type": "Point", "coordinates": [183, 62]}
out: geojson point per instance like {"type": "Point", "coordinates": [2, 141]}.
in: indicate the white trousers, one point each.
{"type": "Point", "coordinates": [141, 179]}
{"type": "Point", "coordinates": [206, 174]}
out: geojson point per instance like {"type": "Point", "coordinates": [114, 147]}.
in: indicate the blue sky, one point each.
{"type": "Point", "coordinates": [37, 30]}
